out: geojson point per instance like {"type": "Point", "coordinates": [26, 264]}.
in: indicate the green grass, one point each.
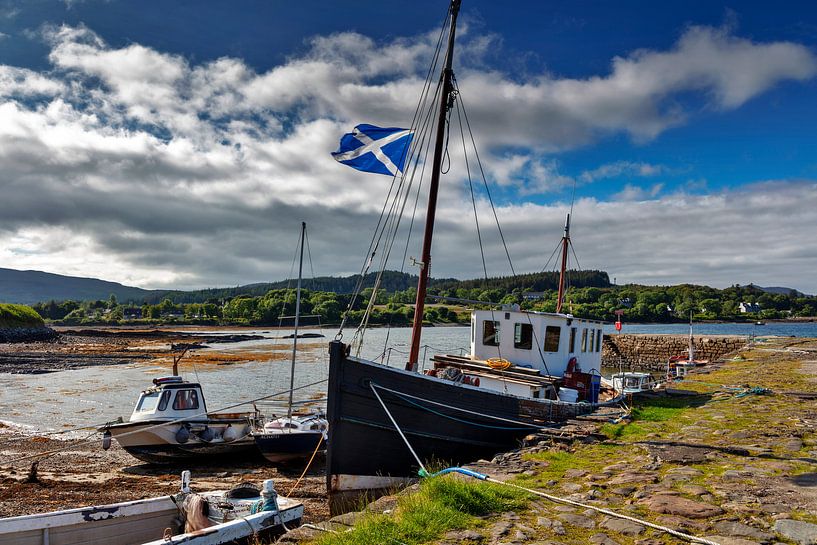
{"type": "Point", "coordinates": [441, 504]}
{"type": "Point", "coordinates": [19, 316]}
{"type": "Point", "coordinates": [587, 457]}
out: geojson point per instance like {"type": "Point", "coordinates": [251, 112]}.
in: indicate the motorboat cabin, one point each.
{"type": "Point", "coordinates": [632, 382]}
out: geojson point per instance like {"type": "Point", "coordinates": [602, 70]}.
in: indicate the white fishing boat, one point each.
{"type": "Point", "coordinates": [170, 423]}
{"type": "Point", "coordinates": [235, 514]}
{"type": "Point", "coordinates": [297, 435]}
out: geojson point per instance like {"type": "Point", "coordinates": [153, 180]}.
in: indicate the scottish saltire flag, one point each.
{"type": "Point", "coordinates": [375, 149]}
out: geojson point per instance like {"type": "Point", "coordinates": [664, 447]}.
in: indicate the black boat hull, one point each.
{"type": "Point", "coordinates": [282, 447]}
{"type": "Point", "coordinates": [445, 423]}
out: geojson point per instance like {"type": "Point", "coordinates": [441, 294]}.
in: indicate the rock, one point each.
{"type": "Point", "coordinates": [300, 535]}
{"type": "Point", "coordinates": [347, 519]}
{"type": "Point", "coordinates": [458, 536]}
{"type": "Point", "coordinates": [775, 508]}
{"type": "Point", "coordinates": [554, 526]}
{"type": "Point", "coordinates": [694, 490]}
{"type": "Point", "coordinates": [623, 490]}
{"type": "Point", "coordinates": [734, 475]}
{"type": "Point", "coordinates": [383, 504]}
{"type": "Point", "coordinates": [578, 520]}
{"type": "Point", "coordinates": [676, 505]}
{"type": "Point", "coordinates": [793, 444]}
{"type": "Point", "coordinates": [622, 526]}
{"type": "Point", "coordinates": [630, 478]}
{"type": "Point", "coordinates": [571, 487]}
{"type": "Point", "coordinates": [803, 533]}
{"type": "Point", "coordinates": [730, 528]}
{"type": "Point", "coordinates": [500, 529]}
{"type": "Point", "coordinates": [575, 473]}
{"type": "Point", "coordinates": [729, 540]}
{"type": "Point", "coordinates": [602, 539]}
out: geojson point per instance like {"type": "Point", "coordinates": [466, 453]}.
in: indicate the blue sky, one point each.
{"type": "Point", "coordinates": [686, 127]}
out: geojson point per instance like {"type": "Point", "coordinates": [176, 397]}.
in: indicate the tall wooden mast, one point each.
{"type": "Point", "coordinates": [563, 269]}
{"type": "Point", "coordinates": [425, 265]}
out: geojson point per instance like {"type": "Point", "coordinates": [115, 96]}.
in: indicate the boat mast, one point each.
{"type": "Point", "coordinates": [297, 316]}
{"type": "Point", "coordinates": [563, 270]}
{"type": "Point", "coordinates": [425, 265]}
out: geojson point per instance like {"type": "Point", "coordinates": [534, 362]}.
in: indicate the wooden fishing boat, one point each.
{"type": "Point", "coordinates": [385, 424]}
{"type": "Point", "coordinates": [160, 520]}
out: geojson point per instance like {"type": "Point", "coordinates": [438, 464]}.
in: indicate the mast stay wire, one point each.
{"type": "Point", "coordinates": [390, 231]}
{"type": "Point", "coordinates": [380, 228]}
{"type": "Point", "coordinates": [461, 105]}
{"type": "Point", "coordinates": [390, 228]}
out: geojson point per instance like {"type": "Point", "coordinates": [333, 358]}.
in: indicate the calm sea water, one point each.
{"type": "Point", "coordinates": [95, 395]}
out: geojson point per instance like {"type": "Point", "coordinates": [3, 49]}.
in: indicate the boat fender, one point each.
{"type": "Point", "coordinates": [230, 434]}
{"type": "Point", "coordinates": [206, 434]}
{"type": "Point", "coordinates": [196, 510]}
{"type": "Point", "coordinates": [106, 440]}
{"type": "Point", "coordinates": [183, 435]}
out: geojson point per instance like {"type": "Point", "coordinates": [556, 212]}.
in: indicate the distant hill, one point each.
{"type": "Point", "coordinates": [779, 290]}
{"type": "Point", "coordinates": [29, 287]}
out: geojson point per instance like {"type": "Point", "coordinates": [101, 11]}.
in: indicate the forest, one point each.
{"type": "Point", "coordinates": [590, 295]}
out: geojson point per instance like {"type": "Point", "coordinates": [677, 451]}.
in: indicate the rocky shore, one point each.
{"type": "Point", "coordinates": [26, 334]}
{"type": "Point", "coordinates": [733, 461]}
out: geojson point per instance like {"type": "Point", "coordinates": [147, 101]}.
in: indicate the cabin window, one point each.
{"type": "Point", "coordinates": [148, 402]}
{"type": "Point", "coordinates": [186, 400]}
{"type": "Point", "coordinates": [552, 335]}
{"type": "Point", "coordinates": [598, 340]}
{"type": "Point", "coordinates": [490, 333]}
{"type": "Point", "coordinates": [473, 330]}
{"type": "Point", "coordinates": [591, 346]}
{"type": "Point", "coordinates": [523, 336]}
{"type": "Point", "coordinates": [572, 340]}
{"type": "Point", "coordinates": [584, 340]}
{"type": "Point", "coordinates": [164, 400]}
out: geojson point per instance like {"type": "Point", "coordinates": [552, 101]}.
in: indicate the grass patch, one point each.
{"type": "Point", "coordinates": [441, 504]}
{"type": "Point", "coordinates": [19, 316]}
{"type": "Point", "coordinates": [587, 457]}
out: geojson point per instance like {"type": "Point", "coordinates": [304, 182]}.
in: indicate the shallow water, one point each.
{"type": "Point", "coordinates": [95, 395]}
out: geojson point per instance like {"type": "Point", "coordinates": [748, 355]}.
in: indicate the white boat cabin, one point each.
{"type": "Point", "coordinates": [545, 342]}
{"type": "Point", "coordinates": [170, 398]}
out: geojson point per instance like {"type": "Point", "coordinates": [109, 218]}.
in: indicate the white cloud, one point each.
{"type": "Point", "coordinates": [636, 193]}
{"type": "Point", "coordinates": [135, 165]}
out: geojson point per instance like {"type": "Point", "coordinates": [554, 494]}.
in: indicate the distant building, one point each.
{"type": "Point", "coordinates": [749, 307]}
{"type": "Point", "coordinates": [626, 302]}
{"type": "Point", "coordinates": [533, 295]}
{"type": "Point", "coordinates": [131, 313]}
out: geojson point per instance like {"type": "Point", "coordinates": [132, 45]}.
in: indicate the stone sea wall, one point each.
{"type": "Point", "coordinates": [651, 352]}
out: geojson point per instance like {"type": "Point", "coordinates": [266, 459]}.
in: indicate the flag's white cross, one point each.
{"type": "Point", "coordinates": [374, 146]}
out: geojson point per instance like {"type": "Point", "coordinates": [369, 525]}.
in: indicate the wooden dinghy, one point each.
{"type": "Point", "coordinates": [160, 520]}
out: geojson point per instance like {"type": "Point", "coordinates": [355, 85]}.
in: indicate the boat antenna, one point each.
{"type": "Point", "coordinates": [691, 342]}
{"type": "Point", "coordinates": [297, 316]}
{"type": "Point", "coordinates": [446, 101]}
{"type": "Point", "coordinates": [563, 270]}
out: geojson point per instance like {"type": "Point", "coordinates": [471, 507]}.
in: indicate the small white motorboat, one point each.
{"type": "Point", "coordinates": [170, 422]}
{"type": "Point", "coordinates": [633, 382]}
{"type": "Point", "coordinates": [210, 518]}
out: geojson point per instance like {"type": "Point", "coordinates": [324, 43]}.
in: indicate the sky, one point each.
{"type": "Point", "coordinates": [180, 144]}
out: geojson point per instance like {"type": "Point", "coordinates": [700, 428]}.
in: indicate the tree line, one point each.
{"type": "Point", "coordinates": [590, 296]}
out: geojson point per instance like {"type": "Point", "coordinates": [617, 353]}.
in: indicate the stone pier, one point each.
{"type": "Point", "coordinates": [651, 352]}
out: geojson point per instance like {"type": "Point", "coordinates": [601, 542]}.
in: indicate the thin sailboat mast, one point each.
{"type": "Point", "coordinates": [691, 343]}
{"type": "Point", "coordinates": [297, 316]}
{"type": "Point", "coordinates": [425, 265]}
{"type": "Point", "coordinates": [563, 270]}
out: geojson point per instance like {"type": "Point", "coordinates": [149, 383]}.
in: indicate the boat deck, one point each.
{"type": "Point", "coordinates": [524, 375]}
